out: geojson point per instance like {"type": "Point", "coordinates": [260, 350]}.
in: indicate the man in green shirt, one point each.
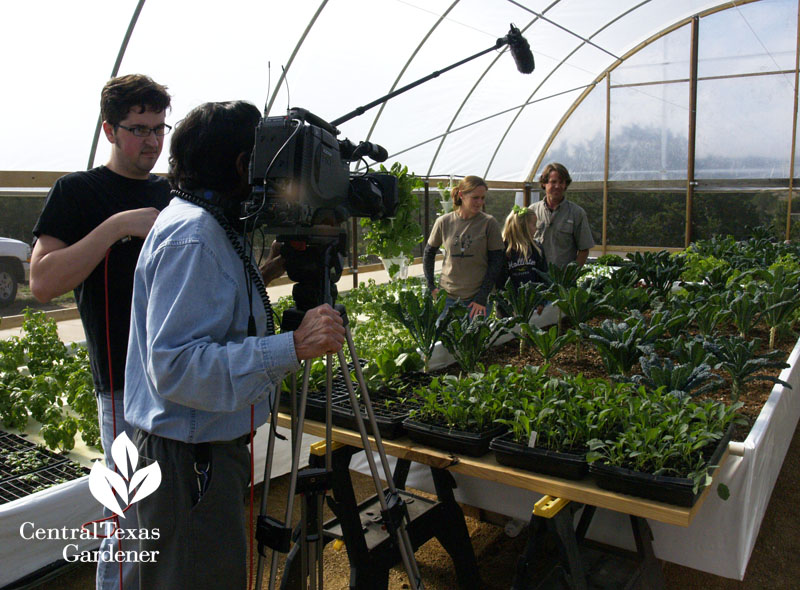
{"type": "Point", "coordinates": [562, 226]}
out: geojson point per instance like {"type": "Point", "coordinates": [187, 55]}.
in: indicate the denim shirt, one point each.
{"type": "Point", "coordinates": [192, 372]}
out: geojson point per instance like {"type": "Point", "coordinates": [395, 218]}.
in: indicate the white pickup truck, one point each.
{"type": "Point", "coordinates": [15, 259]}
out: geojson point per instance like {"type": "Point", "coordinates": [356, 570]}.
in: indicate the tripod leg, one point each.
{"type": "Point", "coordinates": [403, 540]}
{"type": "Point", "coordinates": [296, 438]}
{"type": "Point", "coordinates": [267, 477]}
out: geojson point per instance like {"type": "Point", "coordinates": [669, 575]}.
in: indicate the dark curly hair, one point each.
{"type": "Point", "coordinates": [207, 143]}
{"type": "Point", "coordinates": [124, 93]}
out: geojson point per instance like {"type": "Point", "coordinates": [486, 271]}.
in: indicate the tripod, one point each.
{"type": "Point", "coordinates": [316, 285]}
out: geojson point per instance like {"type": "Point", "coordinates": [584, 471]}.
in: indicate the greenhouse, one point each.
{"type": "Point", "coordinates": [677, 123]}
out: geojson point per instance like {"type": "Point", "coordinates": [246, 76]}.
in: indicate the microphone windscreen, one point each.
{"type": "Point", "coordinates": [520, 51]}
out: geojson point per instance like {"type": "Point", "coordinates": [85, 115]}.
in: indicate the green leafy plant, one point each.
{"type": "Point", "coordinates": [580, 305]}
{"type": "Point", "coordinates": [745, 308]}
{"type": "Point", "coordinates": [709, 313]}
{"type": "Point", "coordinates": [566, 413]}
{"type": "Point", "coordinates": [699, 268]}
{"type": "Point", "coordinates": [419, 314]}
{"type": "Point", "coordinates": [781, 298]}
{"type": "Point", "coordinates": [385, 367]}
{"type": "Point", "coordinates": [40, 377]}
{"type": "Point", "coordinates": [676, 379]}
{"type": "Point", "coordinates": [566, 276]}
{"type": "Point", "coordinates": [468, 339]}
{"type": "Point", "coordinates": [658, 270]}
{"type": "Point", "coordinates": [610, 260]}
{"type": "Point", "coordinates": [620, 344]}
{"type": "Point", "coordinates": [470, 403]}
{"type": "Point", "coordinates": [666, 435]}
{"type": "Point", "coordinates": [740, 359]}
{"type": "Point", "coordinates": [399, 235]}
{"type": "Point", "coordinates": [520, 303]}
{"type": "Point", "coordinates": [545, 342]}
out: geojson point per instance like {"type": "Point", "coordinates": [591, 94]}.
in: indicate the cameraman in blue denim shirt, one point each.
{"type": "Point", "coordinates": [202, 363]}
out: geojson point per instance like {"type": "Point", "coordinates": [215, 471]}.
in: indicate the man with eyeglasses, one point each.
{"type": "Point", "coordinates": [88, 239]}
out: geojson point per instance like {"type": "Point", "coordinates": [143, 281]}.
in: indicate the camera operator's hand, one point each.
{"type": "Point", "coordinates": [274, 266]}
{"type": "Point", "coordinates": [321, 332]}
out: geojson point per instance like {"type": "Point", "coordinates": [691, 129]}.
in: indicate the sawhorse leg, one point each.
{"type": "Point", "coordinates": [369, 567]}
{"type": "Point", "coordinates": [553, 516]}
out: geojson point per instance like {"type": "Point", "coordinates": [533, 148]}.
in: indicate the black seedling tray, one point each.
{"type": "Point", "coordinates": [316, 400]}
{"type": "Point", "coordinates": [671, 490]}
{"type": "Point", "coordinates": [464, 443]}
{"type": "Point", "coordinates": [539, 460]}
{"type": "Point", "coordinates": [14, 447]}
{"type": "Point", "coordinates": [390, 407]}
{"type": "Point", "coordinates": [53, 468]}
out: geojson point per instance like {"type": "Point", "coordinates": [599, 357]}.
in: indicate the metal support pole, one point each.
{"type": "Point", "coordinates": [690, 180]}
{"type": "Point", "coordinates": [794, 130]}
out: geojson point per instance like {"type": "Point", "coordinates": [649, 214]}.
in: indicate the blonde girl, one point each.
{"type": "Point", "coordinates": [524, 257]}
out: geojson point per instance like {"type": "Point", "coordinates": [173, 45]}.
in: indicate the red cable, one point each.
{"type": "Point", "coordinates": [111, 387]}
{"type": "Point", "coordinates": [252, 493]}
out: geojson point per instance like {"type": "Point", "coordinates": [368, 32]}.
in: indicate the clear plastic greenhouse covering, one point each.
{"type": "Point", "coordinates": [483, 117]}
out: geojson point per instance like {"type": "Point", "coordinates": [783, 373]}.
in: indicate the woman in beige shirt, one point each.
{"type": "Point", "coordinates": [473, 248]}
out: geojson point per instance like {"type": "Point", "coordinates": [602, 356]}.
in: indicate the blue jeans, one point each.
{"type": "Point", "coordinates": [108, 571]}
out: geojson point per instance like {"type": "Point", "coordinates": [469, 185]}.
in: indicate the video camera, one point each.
{"type": "Point", "coordinates": [300, 178]}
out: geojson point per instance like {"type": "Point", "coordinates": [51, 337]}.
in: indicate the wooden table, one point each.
{"type": "Point", "coordinates": [570, 539]}
{"type": "Point", "coordinates": [584, 492]}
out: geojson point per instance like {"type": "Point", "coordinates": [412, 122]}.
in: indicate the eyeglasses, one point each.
{"type": "Point", "coordinates": [145, 131]}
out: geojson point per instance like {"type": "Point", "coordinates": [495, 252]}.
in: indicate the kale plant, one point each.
{"type": "Point", "coordinates": [740, 359]}
{"type": "Point", "coordinates": [469, 339]}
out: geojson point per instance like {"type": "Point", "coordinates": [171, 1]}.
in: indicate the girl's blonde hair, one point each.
{"type": "Point", "coordinates": [467, 184]}
{"type": "Point", "coordinates": [516, 234]}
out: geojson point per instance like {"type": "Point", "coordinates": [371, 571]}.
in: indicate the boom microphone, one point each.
{"type": "Point", "coordinates": [520, 50]}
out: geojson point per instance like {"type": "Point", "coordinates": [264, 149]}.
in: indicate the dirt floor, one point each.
{"type": "Point", "coordinates": [773, 564]}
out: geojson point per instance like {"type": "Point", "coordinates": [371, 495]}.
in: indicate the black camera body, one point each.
{"type": "Point", "coordinates": [300, 178]}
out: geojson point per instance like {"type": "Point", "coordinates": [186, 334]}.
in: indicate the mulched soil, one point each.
{"type": "Point", "coordinates": [591, 366]}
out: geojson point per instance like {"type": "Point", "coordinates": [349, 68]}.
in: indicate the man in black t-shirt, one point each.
{"type": "Point", "coordinates": [88, 238]}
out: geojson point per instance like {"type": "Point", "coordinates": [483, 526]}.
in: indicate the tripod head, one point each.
{"type": "Point", "coordinates": [313, 258]}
